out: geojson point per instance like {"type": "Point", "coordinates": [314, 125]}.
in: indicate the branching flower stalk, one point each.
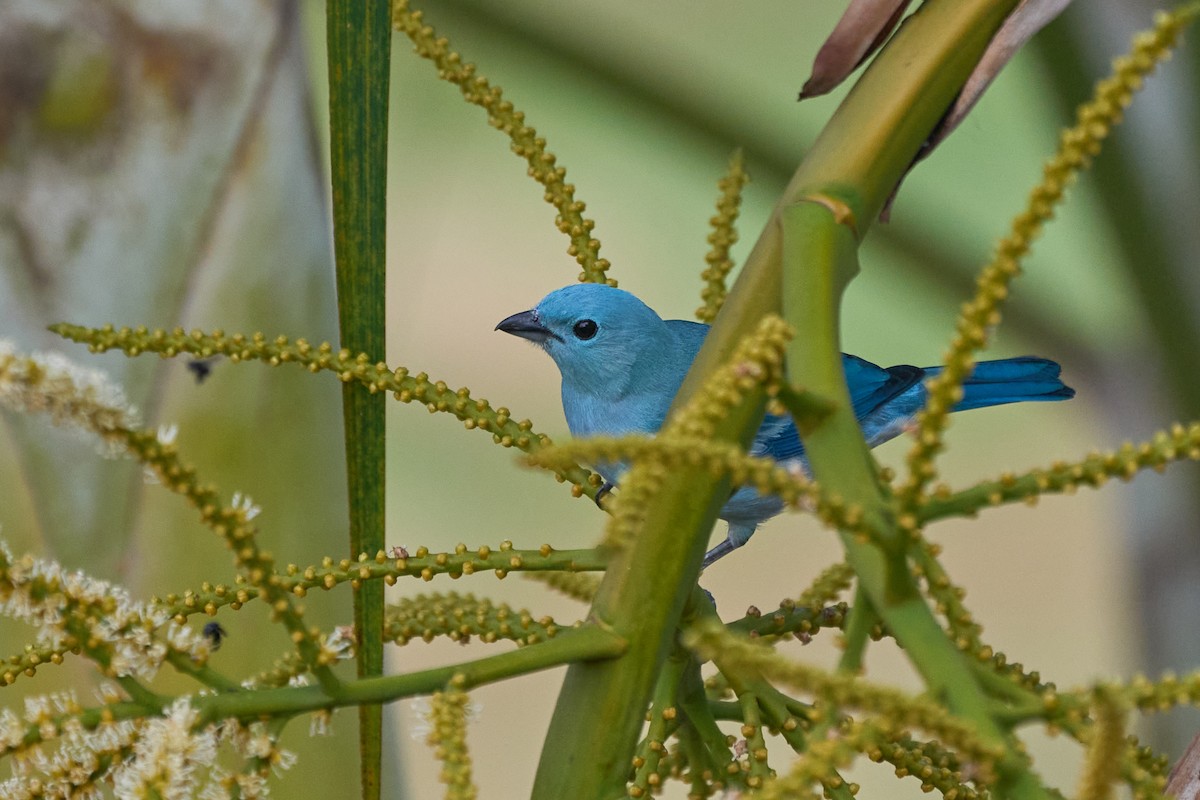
{"type": "Point", "coordinates": [843, 691]}
{"type": "Point", "coordinates": [170, 755]}
{"type": "Point", "coordinates": [1164, 448]}
{"type": "Point", "coordinates": [1077, 147]}
{"type": "Point", "coordinates": [73, 397]}
{"type": "Point", "coordinates": [76, 613]}
{"type": "Point", "coordinates": [937, 768]}
{"type": "Point", "coordinates": [288, 670]}
{"type": "Point", "coordinates": [30, 660]}
{"type": "Point", "coordinates": [140, 742]}
{"type": "Point", "coordinates": [757, 768]}
{"type": "Point", "coordinates": [29, 385]}
{"type": "Point", "coordinates": [757, 363]}
{"type": "Point", "coordinates": [948, 599]}
{"type": "Point", "coordinates": [233, 524]}
{"type": "Point", "coordinates": [419, 564]}
{"type": "Point", "coordinates": [675, 451]}
{"type": "Point", "coordinates": [525, 142]}
{"type": "Point", "coordinates": [800, 621]}
{"type": "Point", "coordinates": [820, 763]}
{"type": "Point", "coordinates": [249, 704]}
{"type": "Point", "coordinates": [40, 384]}
{"type": "Point", "coordinates": [436, 396]}
{"type": "Point", "coordinates": [166, 754]}
{"type": "Point", "coordinates": [663, 720]}
{"type": "Point", "coordinates": [73, 612]}
{"type": "Point", "coordinates": [829, 584]}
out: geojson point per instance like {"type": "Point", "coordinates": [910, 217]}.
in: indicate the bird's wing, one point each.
{"type": "Point", "coordinates": [777, 438]}
{"type": "Point", "coordinates": [872, 386]}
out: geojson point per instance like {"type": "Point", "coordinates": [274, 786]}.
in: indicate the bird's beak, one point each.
{"type": "Point", "coordinates": [526, 326]}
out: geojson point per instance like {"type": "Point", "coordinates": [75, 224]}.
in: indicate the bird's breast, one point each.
{"type": "Point", "coordinates": [589, 414]}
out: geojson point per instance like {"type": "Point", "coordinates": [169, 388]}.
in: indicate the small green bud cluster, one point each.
{"type": "Point", "coordinates": [477, 90]}
{"type": "Point", "coordinates": [723, 237]}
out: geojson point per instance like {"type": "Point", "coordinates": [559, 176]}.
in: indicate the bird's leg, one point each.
{"type": "Point", "coordinates": [721, 550]}
{"type": "Point", "coordinates": [603, 492]}
{"type": "Point", "coordinates": [739, 534]}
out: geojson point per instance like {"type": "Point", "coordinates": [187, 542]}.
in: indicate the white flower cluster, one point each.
{"type": "Point", "coordinates": [256, 742]}
{"type": "Point", "coordinates": [339, 644]}
{"type": "Point", "coordinates": [66, 606]}
{"type": "Point", "coordinates": [75, 768]}
{"type": "Point", "coordinates": [245, 506]}
{"type": "Point", "coordinates": [165, 756]}
{"type": "Point", "coordinates": [420, 724]}
{"type": "Point", "coordinates": [74, 397]}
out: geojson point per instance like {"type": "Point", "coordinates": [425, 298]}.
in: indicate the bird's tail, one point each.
{"type": "Point", "coordinates": [1011, 380]}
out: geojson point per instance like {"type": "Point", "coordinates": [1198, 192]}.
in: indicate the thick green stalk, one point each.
{"type": "Point", "coordinates": [820, 260]}
{"type": "Point", "coordinates": [820, 233]}
{"type": "Point", "coordinates": [839, 195]}
{"type": "Point", "coordinates": [359, 42]}
{"type": "Point", "coordinates": [861, 619]}
{"type": "Point", "coordinates": [596, 724]}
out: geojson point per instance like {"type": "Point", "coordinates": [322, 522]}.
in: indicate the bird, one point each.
{"type": "Point", "coordinates": [621, 365]}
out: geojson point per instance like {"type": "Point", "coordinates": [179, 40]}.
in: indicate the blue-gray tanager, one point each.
{"type": "Point", "coordinates": [622, 364]}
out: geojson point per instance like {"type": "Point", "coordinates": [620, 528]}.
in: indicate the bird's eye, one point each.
{"type": "Point", "coordinates": [585, 329]}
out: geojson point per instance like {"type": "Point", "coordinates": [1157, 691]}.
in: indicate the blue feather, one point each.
{"type": "Point", "coordinates": [1011, 380]}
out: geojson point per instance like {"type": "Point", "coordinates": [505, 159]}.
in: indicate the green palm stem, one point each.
{"type": "Point", "coordinates": [859, 622]}
{"type": "Point", "coordinates": [820, 260]}
{"type": "Point", "coordinates": [576, 644]}
{"type": "Point", "coordinates": [596, 724]}
{"type": "Point", "coordinates": [359, 39]}
{"type": "Point", "coordinates": [708, 746]}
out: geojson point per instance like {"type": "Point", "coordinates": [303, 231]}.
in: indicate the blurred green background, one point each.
{"type": "Point", "coordinates": [643, 104]}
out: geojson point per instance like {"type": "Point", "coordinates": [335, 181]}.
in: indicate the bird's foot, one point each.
{"type": "Point", "coordinates": [603, 492]}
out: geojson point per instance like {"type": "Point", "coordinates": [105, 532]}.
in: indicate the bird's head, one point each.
{"type": "Point", "coordinates": [599, 336]}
